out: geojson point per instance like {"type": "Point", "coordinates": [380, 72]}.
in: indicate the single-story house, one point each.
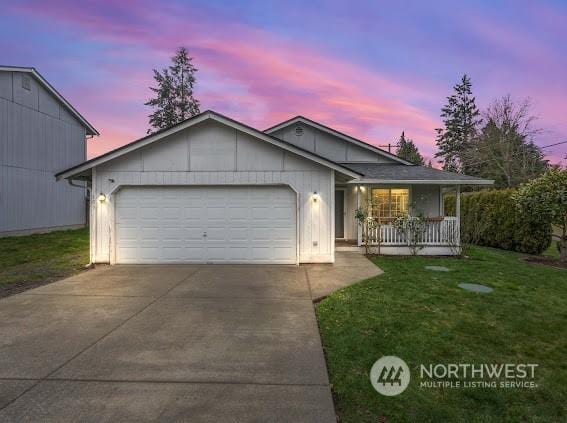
{"type": "Point", "coordinates": [40, 133]}
{"type": "Point", "coordinates": [214, 190]}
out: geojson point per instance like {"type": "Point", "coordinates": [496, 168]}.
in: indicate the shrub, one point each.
{"type": "Point", "coordinates": [491, 218]}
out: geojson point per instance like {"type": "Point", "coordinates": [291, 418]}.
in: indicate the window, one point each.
{"type": "Point", "coordinates": [390, 202]}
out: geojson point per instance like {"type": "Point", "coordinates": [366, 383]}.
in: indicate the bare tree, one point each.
{"type": "Point", "coordinates": [505, 149]}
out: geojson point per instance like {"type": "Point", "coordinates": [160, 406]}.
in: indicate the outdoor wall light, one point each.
{"type": "Point", "coordinates": [315, 197]}
{"type": "Point", "coordinates": [102, 197]}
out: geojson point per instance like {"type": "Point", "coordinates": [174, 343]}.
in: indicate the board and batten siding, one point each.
{"type": "Point", "coordinates": [38, 137]}
{"type": "Point", "coordinates": [211, 153]}
{"type": "Point", "coordinates": [327, 145]}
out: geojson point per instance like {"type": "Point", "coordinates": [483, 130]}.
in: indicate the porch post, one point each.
{"type": "Point", "coordinates": [358, 226]}
{"type": "Point", "coordinates": [458, 213]}
{"type": "Point", "coordinates": [458, 200]}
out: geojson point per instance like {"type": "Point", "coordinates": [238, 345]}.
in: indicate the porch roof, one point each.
{"type": "Point", "coordinates": [390, 173]}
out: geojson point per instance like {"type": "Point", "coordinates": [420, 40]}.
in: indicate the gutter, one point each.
{"type": "Point", "coordinates": [422, 181]}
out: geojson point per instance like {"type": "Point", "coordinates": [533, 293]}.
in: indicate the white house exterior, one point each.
{"type": "Point", "coordinates": [213, 190]}
{"type": "Point", "coordinates": [40, 133]}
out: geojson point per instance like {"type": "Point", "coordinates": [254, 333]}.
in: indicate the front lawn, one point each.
{"type": "Point", "coordinates": [422, 317]}
{"type": "Point", "coordinates": [29, 261]}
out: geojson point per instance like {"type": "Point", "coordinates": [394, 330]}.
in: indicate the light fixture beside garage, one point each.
{"type": "Point", "coordinates": [315, 197]}
{"type": "Point", "coordinates": [101, 197]}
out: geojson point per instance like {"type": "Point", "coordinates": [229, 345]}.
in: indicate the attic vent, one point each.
{"type": "Point", "coordinates": [26, 82]}
{"type": "Point", "coordinates": [298, 131]}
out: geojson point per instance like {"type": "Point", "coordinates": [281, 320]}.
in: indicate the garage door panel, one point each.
{"type": "Point", "coordinates": [243, 224]}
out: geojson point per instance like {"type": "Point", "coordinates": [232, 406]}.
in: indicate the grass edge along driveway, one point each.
{"type": "Point", "coordinates": [33, 260]}
{"type": "Point", "coordinates": [422, 316]}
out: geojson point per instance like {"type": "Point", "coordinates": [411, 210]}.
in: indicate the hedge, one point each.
{"type": "Point", "coordinates": [491, 218]}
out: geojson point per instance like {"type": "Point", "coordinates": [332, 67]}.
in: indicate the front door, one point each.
{"type": "Point", "coordinates": [339, 213]}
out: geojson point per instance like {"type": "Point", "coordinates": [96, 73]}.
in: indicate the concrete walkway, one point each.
{"type": "Point", "coordinates": [171, 343]}
{"type": "Point", "coordinates": [349, 268]}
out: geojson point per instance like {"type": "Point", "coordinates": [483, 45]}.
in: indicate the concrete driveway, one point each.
{"type": "Point", "coordinates": [146, 343]}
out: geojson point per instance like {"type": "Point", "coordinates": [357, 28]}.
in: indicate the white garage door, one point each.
{"type": "Point", "coordinates": [206, 224]}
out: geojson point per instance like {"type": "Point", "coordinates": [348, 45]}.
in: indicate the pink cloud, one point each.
{"type": "Point", "coordinates": [275, 78]}
{"type": "Point", "coordinates": [245, 72]}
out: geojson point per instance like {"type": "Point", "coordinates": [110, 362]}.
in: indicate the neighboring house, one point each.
{"type": "Point", "coordinates": [212, 189]}
{"type": "Point", "coordinates": [40, 133]}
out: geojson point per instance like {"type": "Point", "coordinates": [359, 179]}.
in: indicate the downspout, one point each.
{"type": "Point", "coordinates": [88, 211]}
{"type": "Point", "coordinates": [87, 196]}
{"type": "Point", "coordinates": [70, 181]}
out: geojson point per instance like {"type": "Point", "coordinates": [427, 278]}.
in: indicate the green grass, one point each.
{"type": "Point", "coordinates": [423, 317]}
{"type": "Point", "coordinates": [552, 250]}
{"type": "Point", "coordinates": [38, 258]}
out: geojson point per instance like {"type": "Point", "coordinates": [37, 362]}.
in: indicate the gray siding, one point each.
{"type": "Point", "coordinates": [329, 146]}
{"type": "Point", "coordinates": [37, 139]}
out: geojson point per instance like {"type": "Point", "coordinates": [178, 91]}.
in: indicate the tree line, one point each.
{"type": "Point", "coordinates": [497, 143]}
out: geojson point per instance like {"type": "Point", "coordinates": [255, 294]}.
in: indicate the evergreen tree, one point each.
{"type": "Point", "coordinates": [461, 118]}
{"type": "Point", "coordinates": [173, 101]}
{"type": "Point", "coordinates": [407, 150]}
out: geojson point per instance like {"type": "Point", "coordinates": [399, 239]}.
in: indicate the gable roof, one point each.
{"type": "Point", "coordinates": [206, 115]}
{"type": "Point", "coordinates": [414, 174]}
{"type": "Point", "coordinates": [336, 133]}
{"type": "Point", "coordinates": [43, 82]}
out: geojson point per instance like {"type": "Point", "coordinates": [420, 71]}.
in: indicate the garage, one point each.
{"type": "Point", "coordinates": [206, 224]}
{"type": "Point", "coordinates": [210, 190]}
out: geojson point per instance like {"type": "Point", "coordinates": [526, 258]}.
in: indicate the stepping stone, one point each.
{"type": "Point", "coordinates": [474, 287]}
{"type": "Point", "coordinates": [437, 268]}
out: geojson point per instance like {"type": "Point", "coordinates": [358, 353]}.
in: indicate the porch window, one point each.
{"type": "Point", "coordinates": [390, 202]}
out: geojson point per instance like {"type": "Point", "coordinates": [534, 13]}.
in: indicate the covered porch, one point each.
{"type": "Point", "coordinates": [424, 229]}
{"type": "Point", "coordinates": [399, 209]}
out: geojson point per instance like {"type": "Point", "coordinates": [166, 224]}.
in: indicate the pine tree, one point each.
{"type": "Point", "coordinates": [407, 150]}
{"type": "Point", "coordinates": [461, 119]}
{"type": "Point", "coordinates": [173, 101]}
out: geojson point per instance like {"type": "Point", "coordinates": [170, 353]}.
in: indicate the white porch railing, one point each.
{"type": "Point", "coordinates": [438, 232]}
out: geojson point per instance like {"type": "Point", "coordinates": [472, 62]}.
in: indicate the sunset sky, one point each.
{"type": "Point", "coordinates": [371, 69]}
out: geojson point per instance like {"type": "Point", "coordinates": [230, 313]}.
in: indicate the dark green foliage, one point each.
{"type": "Point", "coordinates": [461, 118]}
{"type": "Point", "coordinates": [174, 101]}
{"type": "Point", "coordinates": [491, 218]}
{"type": "Point", "coordinates": [407, 150]}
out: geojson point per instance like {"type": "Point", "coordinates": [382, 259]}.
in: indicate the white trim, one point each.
{"type": "Point", "coordinates": [428, 250]}
{"type": "Point", "coordinates": [112, 194]}
{"type": "Point", "coordinates": [338, 134]}
{"type": "Point", "coordinates": [423, 181]}
{"type": "Point", "coordinates": [358, 225]}
{"type": "Point", "coordinates": [193, 121]}
{"type": "Point", "coordinates": [390, 188]}
{"type": "Point", "coordinates": [93, 204]}
{"type": "Point", "coordinates": [53, 92]}
{"type": "Point", "coordinates": [332, 217]}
